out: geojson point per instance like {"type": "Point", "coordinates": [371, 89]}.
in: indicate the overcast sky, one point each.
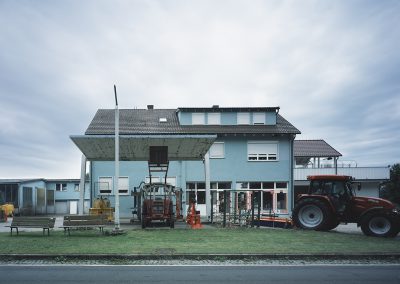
{"type": "Point", "coordinates": [332, 66]}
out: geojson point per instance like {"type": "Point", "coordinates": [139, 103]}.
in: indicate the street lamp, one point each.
{"type": "Point", "coordinates": [116, 179]}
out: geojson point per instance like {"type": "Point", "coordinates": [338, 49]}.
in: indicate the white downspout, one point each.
{"type": "Point", "coordinates": [207, 181]}
{"type": "Point", "coordinates": [82, 185]}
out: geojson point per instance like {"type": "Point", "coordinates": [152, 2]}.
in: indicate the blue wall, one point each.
{"type": "Point", "coordinates": [233, 168]}
{"type": "Point", "coordinates": [227, 118]}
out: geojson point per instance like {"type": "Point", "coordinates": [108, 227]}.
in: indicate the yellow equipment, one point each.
{"type": "Point", "coordinates": [101, 206]}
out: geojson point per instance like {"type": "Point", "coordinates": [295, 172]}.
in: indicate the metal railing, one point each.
{"type": "Point", "coordinates": [361, 173]}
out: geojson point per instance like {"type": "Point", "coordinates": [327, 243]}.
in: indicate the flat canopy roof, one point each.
{"type": "Point", "coordinates": [136, 147]}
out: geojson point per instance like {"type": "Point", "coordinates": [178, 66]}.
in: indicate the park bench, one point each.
{"type": "Point", "coordinates": [45, 223]}
{"type": "Point", "coordinates": [84, 222]}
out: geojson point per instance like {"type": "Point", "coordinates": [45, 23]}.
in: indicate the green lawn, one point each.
{"type": "Point", "coordinates": [182, 241]}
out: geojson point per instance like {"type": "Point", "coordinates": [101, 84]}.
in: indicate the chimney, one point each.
{"type": "Point", "coordinates": [215, 106]}
{"type": "Point", "coordinates": [150, 106]}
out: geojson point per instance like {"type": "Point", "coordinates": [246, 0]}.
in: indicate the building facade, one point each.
{"type": "Point", "coordinates": [43, 196]}
{"type": "Point", "coordinates": [252, 151]}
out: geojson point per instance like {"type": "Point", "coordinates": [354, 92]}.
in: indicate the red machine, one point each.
{"type": "Point", "coordinates": [193, 216]}
{"type": "Point", "coordinates": [331, 200]}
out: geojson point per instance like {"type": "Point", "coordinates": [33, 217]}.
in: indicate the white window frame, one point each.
{"type": "Point", "coordinates": [61, 187]}
{"type": "Point", "coordinates": [258, 118]}
{"type": "Point", "coordinates": [267, 156]}
{"type": "Point", "coordinates": [214, 118]}
{"type": "Point", "coordinates": [111, 185]}
{"type": "Point", "coordinates": [123, 191]}
{"type": "Point", "coordinates": [198, 118]}
{"type": "Point", "coordinates": [76, 187]}
{"type": "Point", "coordinates": [274, 191]}
{"type": "Point", "coordinates": [213, 154]}
{"type": "Point", "coordinates": [243, 118]}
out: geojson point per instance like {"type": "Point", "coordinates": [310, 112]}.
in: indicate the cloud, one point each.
{"type": "Point", "coordinates": [331, 66]}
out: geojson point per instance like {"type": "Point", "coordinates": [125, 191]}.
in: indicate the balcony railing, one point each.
{"type": "Point", "coordinates": [359, 173]}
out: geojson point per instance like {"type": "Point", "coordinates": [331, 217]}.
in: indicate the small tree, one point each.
{"type": "Point", "coordinates": [391, 189]}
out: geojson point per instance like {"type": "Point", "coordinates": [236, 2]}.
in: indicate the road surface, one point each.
{"type": "Point", "coordinates": [200, 274]}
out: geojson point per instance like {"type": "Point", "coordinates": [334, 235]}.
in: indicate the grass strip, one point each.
{"type": "Point", "coordinates": [183, 241]}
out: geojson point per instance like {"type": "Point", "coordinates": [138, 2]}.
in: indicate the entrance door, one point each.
{"type": "Point", "coordinates": [40, 201]}
{"type": "Point", "coordinates": [73, 207]}
{"type": "Point", "coordinates": [50, 202]}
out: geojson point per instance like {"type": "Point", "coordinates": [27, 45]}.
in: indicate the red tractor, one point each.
{"type": "Point", "coordinates": [331, 200]}
{"type": "Point", "coordinates": [157, 204]}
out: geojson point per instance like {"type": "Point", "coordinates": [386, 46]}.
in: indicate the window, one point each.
{"type": "Point", "coordinates": [214, 118]}
{"type": "Point", "coordinates": [258, 118]}
{"type": "Point", "coordinates": [61, 187]}
{"type": "Point", "coordinates": [243, 118]}
{"type": "Point", "coordinates": [76, 187]}
{"type": "Point", "coordinates": [123, 186]}
{"type": "Point", "coordinates": [193, 188]}
{"type": "Point", "coordinates": [217, 150]}
{"type": "Point", "coordinates": [105, 185]}
{"type": "Point", "coordinates": [262, 151]}
{"type": "Point", "coordinates": [281, 201]}
{"type": "Point", "coordinates": [273, 195]}
{"type": "Point", "coordinates": [198, 118]}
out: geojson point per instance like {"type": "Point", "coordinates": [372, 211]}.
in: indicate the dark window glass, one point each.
{"type": "Point", "coordinates": [255, 185]}
{"type": "Point", "coordinates": [268, 185]}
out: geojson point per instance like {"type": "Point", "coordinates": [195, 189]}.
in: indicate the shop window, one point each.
{"type": "Point", "coordinates": [282, 185]}
{"type": "Point", "coordinates": [281, 199]}
{"type": "Point", "coordinates": [192, 188]}
{"type": "Point", "coordinates": [268, 185]}
{"type": "Point", "coordinates": [201, 197]}
{"type": "Point", "coordinates": [267, 201]}
{"type": "Point", "coordinates": [255, 185]}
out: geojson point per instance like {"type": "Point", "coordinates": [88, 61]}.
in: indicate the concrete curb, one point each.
{"type": "Point", "coordinates": [395, 257]}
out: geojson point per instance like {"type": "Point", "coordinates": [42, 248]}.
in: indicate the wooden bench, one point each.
{"type": "Point", "coordinates": [84, 222]}
{"type": "Point", "coordinates": [45, 223]}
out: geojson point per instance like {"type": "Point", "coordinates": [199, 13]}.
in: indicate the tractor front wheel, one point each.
{"type": "Point", "coordinates": [379, 225]}
{"type": "Point", "coordinates": [312, 214]}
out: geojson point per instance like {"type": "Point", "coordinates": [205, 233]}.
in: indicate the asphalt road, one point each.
{"type": "Point", "coordinates": [200, 274]}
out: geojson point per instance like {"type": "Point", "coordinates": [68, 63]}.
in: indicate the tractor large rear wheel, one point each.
{"type": "Point", "coordinates": [379, 225]}
{"type": "Point", "coordinates": [312, 214]}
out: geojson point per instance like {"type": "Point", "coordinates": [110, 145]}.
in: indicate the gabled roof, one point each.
{"type": "Point", "coordinates": [147, 122]}
{"type": "Point", "coordinates": [314, 148]}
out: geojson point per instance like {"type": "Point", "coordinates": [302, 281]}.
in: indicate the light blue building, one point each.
{"type": "Point", "coordinates": [44, 196]}
{"type": "Point", "coordinates": [211, 150]}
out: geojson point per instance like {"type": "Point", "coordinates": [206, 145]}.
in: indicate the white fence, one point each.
{"type": "Point", "coordinates": [359, 173]}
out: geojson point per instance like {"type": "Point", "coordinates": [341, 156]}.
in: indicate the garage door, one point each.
{"type": "Point", "coordinates": [62, 207]}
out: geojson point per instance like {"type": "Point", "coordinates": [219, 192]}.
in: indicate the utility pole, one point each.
{"type": "Point", "coordinates": [116, 179]}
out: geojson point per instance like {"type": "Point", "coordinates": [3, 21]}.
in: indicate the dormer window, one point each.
{"type": "Point", "coordinates": [198, 118]}
{"type": "Point", "coordinates": [243, 118]}
{"type": "Point", "coordinates": [258, 118]}
{"type": "Point", "coordinates": [214, 118]}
